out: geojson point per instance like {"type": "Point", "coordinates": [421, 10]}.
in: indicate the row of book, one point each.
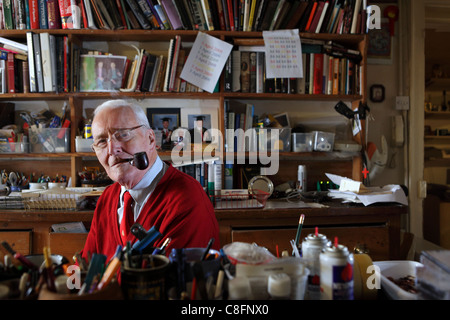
{"type": "Point", "coordinates": [316, 16]}
{"type": "Point", "coordinates": [328, 68]}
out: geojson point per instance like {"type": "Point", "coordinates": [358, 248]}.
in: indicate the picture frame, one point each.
{"type": "Point", "coordinates": [100, 73]}
{"type": "Point", "coordinates": [156, 115]}
{"type": "Point", "coordinates": [380, 44]}
{"type": "Point", "coordinates": [377, 93]}
{"type": "Point", "coordinates": [283, 119]}
{"type": "Point", "coordinates": [210, 120]}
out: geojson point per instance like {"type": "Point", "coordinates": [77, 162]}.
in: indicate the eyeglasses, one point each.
{"type": "Point", "coordinates": [121, 135]}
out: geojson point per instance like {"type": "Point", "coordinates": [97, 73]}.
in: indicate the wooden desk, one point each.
{"type": "Point", "coordinates": [375, 227]}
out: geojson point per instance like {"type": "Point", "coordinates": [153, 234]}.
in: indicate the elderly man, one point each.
{"type": "Point", "coordinates": [161, 196]}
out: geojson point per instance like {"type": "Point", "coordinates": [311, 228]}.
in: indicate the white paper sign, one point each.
{"type": "Point", "coordinates": [206, 61]}
{"type": "Point", "coordinates": [283, 54]}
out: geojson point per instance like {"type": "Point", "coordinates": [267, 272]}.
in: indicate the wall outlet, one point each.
{"type": "Point", "coordinates": [402, 103]}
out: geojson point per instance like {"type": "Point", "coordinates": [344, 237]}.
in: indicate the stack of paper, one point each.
{"type": "Point", "coordinates": [355, 191]}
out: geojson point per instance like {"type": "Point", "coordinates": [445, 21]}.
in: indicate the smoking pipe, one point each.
{"type": "Point", "coordinates": [139, 160]}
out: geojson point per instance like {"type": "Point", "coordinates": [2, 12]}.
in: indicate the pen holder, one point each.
{"type": "Point", "coordinates": [148, 280]}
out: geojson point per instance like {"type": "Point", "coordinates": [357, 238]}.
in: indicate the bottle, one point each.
{"type": "Point", "coordinates": [336, 273]}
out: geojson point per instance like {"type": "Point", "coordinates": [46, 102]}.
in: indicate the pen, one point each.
{"type": "Point", "coordinates": [113, 266]}
{"type": "Point", "coordinates": [161, 249]}
{"type": "Point", "coordinates": [148, 240]}
{"type": "Point", "coordinates": [49, 276]}
{"type": "Point", "coordinates": [205, 253]}
{"type": "Point", "coordinates": [19, 256]}
{"type": "Point", "coordinates": [299, 229]}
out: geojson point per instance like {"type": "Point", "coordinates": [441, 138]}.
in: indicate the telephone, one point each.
{"type": "Point", "coordinates": [398, 131]}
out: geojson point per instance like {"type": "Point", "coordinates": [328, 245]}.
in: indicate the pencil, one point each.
{"type": "Point", "coordinates": [299, 229]}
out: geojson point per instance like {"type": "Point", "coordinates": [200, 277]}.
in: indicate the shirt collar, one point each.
{"type": "Point", "coordinates": [148, 183]}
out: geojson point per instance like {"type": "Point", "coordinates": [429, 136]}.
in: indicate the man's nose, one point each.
{"type": "Point", "coordinates": [114, 146]}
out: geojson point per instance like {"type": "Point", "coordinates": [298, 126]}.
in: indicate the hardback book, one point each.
{"type": "Point", "coordinates": [245, 71]}
{"type": "Point", "coordinates": [8, 10]}
{"type": "Point", "coordinates": [46, 62]}
{"type": "Point", "coordinates": [228, 75]}
{"type": "Point", "coordinates": [180, 63]}
{"type": "Point", "coordinates": [147, 12]}
{"type": "Point", "coordinates": [172, 14]}
{"type": "Point", "coordinates": [207, 14]}
{"type": "Point", "coordinates": [38, 62]}
{"type": "Point", "coordinates": [137, 12]}
{"type": "Point", "coordinates": [43, 15]}
{"type": "Point", "coordinates": [199, 17]}
{"type": "Point", "coordinates": [20, 14]}
{"type": "Point", "coordinates": [260, 69]}
{"type": "Point", "coordinates": [105, 14]}
{"type": "Point", "coordinates": [173, 69]}
{"type": "Point", "coordinates": [156, 14]}
{"type": "Point", "coordinates": [141, 71]}
{"type": "Point", "coordinates": [162, 15]}
{"type": "Point", "coordinates": [236, 71]}
{"type": "Point", "coordinates": [31, 64]}
{"type": "Point", "coordinates": [252, 67]}
{"type": "Point", "coordinates": [54, 19]}
{"type": "Point", "coordinates": [183, 12]}
{"type": "Point", "coordinates": [268, 15]}
{"type": "Point", "coordinates": [113, 11]}
{"type": "Point", "coordinates": [10, 70]}
{"type": "Point", "coordinates": [122, 14]}
{"type": "Point", "coordinates": [297, 15]}
{"type": "Point", "coordinates": [148, 72]}
{"type": "Point", "coordinates": [89, 15]}
{"type": "Point", "coordinates": [52, 41]}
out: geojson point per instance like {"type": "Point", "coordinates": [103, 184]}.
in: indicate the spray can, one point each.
{"type": "Point", "coordinates": [88, 130]}
{"type": "Point", "coordinates": [301, 178]}
{"type": "Point", "coordinates": [312, 246]}
{"type": "Point", "coordinates": [336, 273]}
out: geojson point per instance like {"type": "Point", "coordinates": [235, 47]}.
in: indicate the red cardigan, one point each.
{"type": "Point", "coordinates": [178, 207]}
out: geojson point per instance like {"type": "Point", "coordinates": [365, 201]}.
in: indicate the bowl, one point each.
{"type": "Point", "coordinates": [396, 270]}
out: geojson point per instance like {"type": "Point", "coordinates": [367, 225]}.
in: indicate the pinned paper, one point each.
{"type": "Point", "coordinates": [206, 61]}
{"type": "Point", "coordinates": [283, 54]}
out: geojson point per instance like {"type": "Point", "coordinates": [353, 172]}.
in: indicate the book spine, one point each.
{"type": "Point", "coordinates": [138, 14]}
{"type": "Point", "coordinates": [8, 14]}
{"type": "Point", "coordinates": [172, 14]}
{"type": "Point", "coordinates": [43, 16]}
{"type": "Point", "coordinates": [207, 14]}
{"type": "Point", "coordinates": [38, 62]}
{"type": "Point", "coordinates": [245, 71]}
{"type": "Point", "coordinates": [32, 71]}
{"type": "Point", "coordinates": [54, 20]}
{"type": "Point", "coordinates": [46, 61]}
{"type": "Point", "coordinates": [20, 14]}
{"type": "Point", "coordinates": [10, 69]}
{"type": "Point", "coordinates": [162, 16]}
{"type": "Point", "coordinates": [141, 72]}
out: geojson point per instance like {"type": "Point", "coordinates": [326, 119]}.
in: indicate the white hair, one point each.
{"type": "Point", "coordinates": [141, 117]}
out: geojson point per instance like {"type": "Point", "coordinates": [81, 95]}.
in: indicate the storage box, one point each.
{"type": "Point", "coordinates": [323, 141]}
{"type": "Point", "coordinates": [302, 142]}
{"type": "Point", "coordinates": [270, 139]}
{"type": "Point", "coordinates": [50, 140]}
{"type": "Point", "coordinates": [83, 145]}
{"type": "Point", "coordinates": [397, 270]}
{"type": "Point", "coordinates": [14, 147]}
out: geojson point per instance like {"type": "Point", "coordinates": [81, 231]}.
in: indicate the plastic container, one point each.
{"type": "Point", "coordinates": [14, 147]}
{"type": "Point", "coordinates": [83, 145]}
{"type": "Point", "coordinates": [302, 142]}
{"type": "Point", "coordinates": [396, 270]}
{"type": "Point", "coordinates": [50, 140]}
{"type": "Point", "coordinates": [323, 141]}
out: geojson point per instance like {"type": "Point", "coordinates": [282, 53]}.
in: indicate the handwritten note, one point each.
{"type": "Point", "coordinates": [206, 61]}
{"type": "Point", "coordinates": [283, 54]}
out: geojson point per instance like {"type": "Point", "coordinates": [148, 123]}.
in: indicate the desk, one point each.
{"type": "Point", "coordinates": [376, 227]}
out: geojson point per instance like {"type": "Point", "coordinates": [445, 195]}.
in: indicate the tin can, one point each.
{"type": "Point", "coordinates": [301, 178]}
{"type": "Point", "coordinates": [88, 130]}
{"type": "Point", "coordinates": [312, 246]}
{"type": "Point", "coordinates": [336, 273]}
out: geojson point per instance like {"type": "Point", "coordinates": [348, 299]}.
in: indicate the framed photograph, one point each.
{"type": "Point", "coordinates": [283, 119]}
{"type": "Point", "coordinates": [377, 93]}
{"type": "Point", "coordinates": [380, 49]}
{"type": "Point", "coordinates": [101, 73]}
{"type": "Point", "coordinates": [165, 120]}
{"type": "Point", "coordinates": [201, 120]}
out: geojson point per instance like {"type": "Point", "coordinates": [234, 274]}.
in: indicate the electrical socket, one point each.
{"type": "Point", "coordinates": [402, 103]}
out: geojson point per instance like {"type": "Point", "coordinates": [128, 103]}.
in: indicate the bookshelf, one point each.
{"type": "Point", "coordinates": [72, 162]}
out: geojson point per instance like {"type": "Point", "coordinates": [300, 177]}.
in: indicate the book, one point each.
{"type": "Point", "coordinates": [46, 61]}
{"type": "Point", "coordinates": [276, 14]}
{"type": "Point", "coordinates": [38, 62]}
{"type": "Point", "coordinates": [105, 14]}
{"type": "Point", "coordinates": [252, 67]}
{"type": "Point", "coordinates": [148, 14]}
{"type": "Point", "coordinates": [31, 65]}
{"type": "Point", "coordinates": [53, 66]}
{"type": "Point", "coordinates": [43, 16]}
{"type": "Point", "coordinates": [10, 70]}
{"type": "Point", "coordinates": [149, 71]}
{"type": "Point", "coordinates": [230, 15]}
{"type": "Point", "coordinates": [89, 15]}
{"type": "Point", "coordinates": [312, 25]}
{"type": "Point", "coordinates": [207, 14]}
{"type": "Point", "coordinates": [138, 14]}
{"type": "Point", "coordinates": [181, 61]}
{"type": "Point", "coordinates": [122, 14]}
{"type": "Point", "coordinates": [260, 70]}
{"type": "Point", "coordinates": [322, 17]}
{"type": "Point", "coordinates": [268, 15]}
{"type": "Point", "coordinates": [172, 14]}
{"type": "Point", "coordinates": [132, 79]}
{"type": "Point", "coordinates": [184, 14]}
{"type": "Point", "coordinates": [141, 71]}
{"type": "Point", "coordinates": [357, 7]}
{"type": "Point", "coordinates": [8, 10]}
{"type": "Point", "coordinates": [251, 17]}
{"type": "Point", "coordinates": [14, 45]}
{"type": "Point", "coordinates": [113, 11]}
{"type": "Point", "coordinates": [60, 64]}
{"type": "Point", "coordinates": [236, 71]}
{"type": "Point", "coordinates": [20, 15]}
{"type": "Point", "coordinates": [245, 71]}
{"type": "Point", "coordinates": [221, 15]}
{"type": "Point", "coordinates": [54, 19]}
{"type": "Point", "coordinates": [33, 14]}
{"type": "Point", "coordinates": [199, 17]}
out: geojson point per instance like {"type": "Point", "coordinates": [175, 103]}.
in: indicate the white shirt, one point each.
{"type": "Point", "coordinates": [142, 191]}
